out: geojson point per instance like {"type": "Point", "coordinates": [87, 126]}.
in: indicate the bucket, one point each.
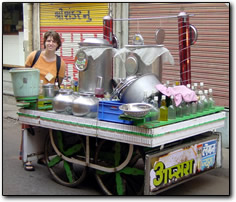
{"type": "Point", "coordinates": [25, 83]}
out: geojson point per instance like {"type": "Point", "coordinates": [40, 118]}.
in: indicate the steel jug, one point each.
{"type": "Point", "coordinates": [62, 103]}
{"type": "Point", "coordinates": [85, 104]}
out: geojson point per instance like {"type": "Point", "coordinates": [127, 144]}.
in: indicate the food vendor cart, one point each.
{"type": "Point", "coordinates": [128, 158]}
{"type": "Point", "coordinates": [123, 155]}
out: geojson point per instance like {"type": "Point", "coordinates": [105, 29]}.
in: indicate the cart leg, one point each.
{"type": "Point", "coordinates": [32, 146]}
{"type": "Point", "coordinates": [127, 181]}
{"type": "Point", "coordinates": [72, 146]}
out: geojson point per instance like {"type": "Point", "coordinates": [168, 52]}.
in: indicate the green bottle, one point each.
{"type": "Point", "coordinates": [163, 109]}
{"type": "Point", "coordinates": [172, 109]}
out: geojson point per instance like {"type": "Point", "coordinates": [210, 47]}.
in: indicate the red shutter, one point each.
{"type": "Point", "coordinates": [209, 56]}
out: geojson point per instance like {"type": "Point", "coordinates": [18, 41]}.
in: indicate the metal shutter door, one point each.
{"type": "Point", "coordinates": [209, 56]}
{"type": "Point", "coordinates": [74, 22]}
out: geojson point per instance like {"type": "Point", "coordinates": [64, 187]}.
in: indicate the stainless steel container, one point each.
{"type": "Point", "coordinates": [134, 64]}
{"type": "Point", "coordinates": [85, 104]}
{"type": "Point", "coordinates": [48, 90]}
{"type": "Point", "coordinates": [132, 89]}
{"type": "Point", "coordinates": [62, 103]}
{"type": "Point", "coordinates": [90, 69]}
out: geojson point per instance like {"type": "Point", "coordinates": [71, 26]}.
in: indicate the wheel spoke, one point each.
{"type": "Point", "coordinates": [64, 172]}
{"type": "Point", "coordinates": [119, 184]}
{"type": "Point", "coordinates": [132, 171]}
{"type": "Point", "coordinates": [68, 172]}
{"type": "Point", "coordinates": [60, 141]}
{"type": "Point", "coordinates": [72, 150]}
{"type": "Point", "coordinates": [54, 161]}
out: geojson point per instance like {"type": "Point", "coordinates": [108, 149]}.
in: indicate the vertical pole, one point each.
{"type": "Point", "coordinates": [184, 48]}
{"type": "Point", "coordinates": [108, 32]}
{"type": "Point", "coordinates": [108, 28]}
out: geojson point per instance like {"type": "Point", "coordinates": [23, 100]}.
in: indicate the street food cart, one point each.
{"type": "Point", "coordinates": [128, 158]}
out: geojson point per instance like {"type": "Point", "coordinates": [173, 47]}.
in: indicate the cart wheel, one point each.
{"type": "Point", "coordinates": [127, 181]}
{"type": "Point", "coordinates": [64, 172]}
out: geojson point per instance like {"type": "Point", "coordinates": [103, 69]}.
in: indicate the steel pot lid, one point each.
{"type": "Point", "coordinates": [193, 34]}
{"type": "Point", "coordinates": [95, 42]}
{"type": "Point", "coordinates": [48, 85]}
{"type": "Point", "coordinates": [87, 94]}
{"type": "Point", "coordinates": [131, 65]}
{"type": "Point", "coordinates": [160, 36]}
{"type": "Point", "coordinates": [66, 91]}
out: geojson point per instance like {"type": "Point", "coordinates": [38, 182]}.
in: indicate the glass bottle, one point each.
{"type": "Point", "coordinates": [152, 96]}
{"type": "Point", "coordinates": [188, 108]}
{"type": "Point", "coordinates": [76, 86]}
{"type": "Point", "coordinates": [163, 109]}
{"type": "Point", "coordinates": [200, 104]}
{"type": "Point", "coordinates": [196, 89]}
{"type": "Point", "coordinates": [210, 99]}
{"type": "Point", "coordinates": [194, 107]}
{"type": "Point", "coordinates": [184, 108]}
{"type": "Point", "coordinates": [56, 88]}
{"type": "Point", "coordinates": [72, 84]}
{"type": "Point", "coordinates": [172, 109]}
{"type": "Point", "coordinates": [167, 84]}
{"type": "Point", "coordinates": [41, 95]}
{"type": "Point", "coordinates": [155, 111]}
{"type": "Point", "coordinates": [145, 97]}
{"type": "Point", "coordinates": [64, 84]}
{"type": "Point", "coordinates": [192, 88]}
{"type": "Point", "coordinates": [202, 86]}
{"type": "Point", "coordinates": [206, 100]}
{"type": "Point", "coordinates": [179, 111]}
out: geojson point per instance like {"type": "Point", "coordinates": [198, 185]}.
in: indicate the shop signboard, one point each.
{"type": "Point", "coordinates": [167, 168]}
{"type": "Point", "coordinates": [74, 22]}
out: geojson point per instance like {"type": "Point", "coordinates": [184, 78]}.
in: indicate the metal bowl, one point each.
{"type": "Point", "coordinates": [136, 110]}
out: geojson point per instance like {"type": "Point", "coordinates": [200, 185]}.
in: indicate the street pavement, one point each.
{"type": "Point", "coordinates": [16, 181]}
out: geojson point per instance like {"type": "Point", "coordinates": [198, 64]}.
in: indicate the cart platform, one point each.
{"type": "Point", "coordinates": [149, 137]}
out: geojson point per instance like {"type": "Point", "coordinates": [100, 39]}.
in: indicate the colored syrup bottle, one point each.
{"type": "Point", "coordinates": [172, 109]}
{"type": "Point", "coordinates": [163, 109]}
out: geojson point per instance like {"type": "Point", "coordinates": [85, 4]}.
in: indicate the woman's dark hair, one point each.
{"type": "Point", "coordinates": [55, 36]}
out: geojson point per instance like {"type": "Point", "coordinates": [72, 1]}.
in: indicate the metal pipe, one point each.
{"type": "Point", "coordinates": [184, 48]}
{"type": "Point", "coordinates": [150, 18]}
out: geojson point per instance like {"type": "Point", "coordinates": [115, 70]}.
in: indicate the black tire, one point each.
{"type": "Point", "coordinates": [64, 172]}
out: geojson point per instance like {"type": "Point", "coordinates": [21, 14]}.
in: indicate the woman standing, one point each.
{"type": "Point", "coordinates": [49, 73]}
{"type": "Point", "coordinates": [46, 62]}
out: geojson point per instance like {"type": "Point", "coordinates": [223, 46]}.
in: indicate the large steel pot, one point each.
{"type": "Point", "coordinates": [135, 65]}
{"type": "Point", "coordinates": [132, 89]}
{"type": "Point", "coordinates": [89, 68]}
{"type": "Point", "coordinates": [62, 103]}
{"type": "Point", "coordinates": [85, 104]}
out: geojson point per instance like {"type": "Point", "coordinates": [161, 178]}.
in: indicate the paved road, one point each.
{"type": "Point", "coordinates": [16, 181]}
